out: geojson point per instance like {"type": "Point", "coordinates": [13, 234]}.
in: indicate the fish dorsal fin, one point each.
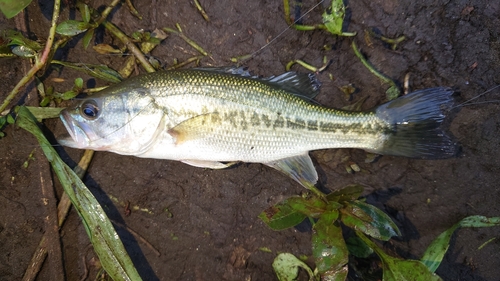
{"type": "Point", "coordinates": [303, 85]}
{"type": "Point", "coordinates": [241, 71]}
{"type": "Point", "coordinates": [196, 127]}
{"type": "Point", "coordinates": [300, 168]}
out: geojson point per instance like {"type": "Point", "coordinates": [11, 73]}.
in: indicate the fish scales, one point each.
{"type": "Point", "coordinates": [290, 126]}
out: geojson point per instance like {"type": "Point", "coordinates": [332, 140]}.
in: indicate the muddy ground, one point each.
{"type": "Point", "coordinates": [204, 222]}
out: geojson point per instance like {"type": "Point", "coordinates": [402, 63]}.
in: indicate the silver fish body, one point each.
{"type": "Point", "coordinates": [207, 116]}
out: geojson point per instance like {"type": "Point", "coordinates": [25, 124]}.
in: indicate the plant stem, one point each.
{"type": "Point", "coordinates": [130, 45]}
{"type": "Point", "coordinates": [370, 67]}
{"type": "Point", "coordinates": [201, 10]}
{"type": "Point", "coordinates": [185, 38]}
{"type": "Point", "coordinates": [39, 62]}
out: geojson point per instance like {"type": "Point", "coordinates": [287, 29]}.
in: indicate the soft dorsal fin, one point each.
{"type": "Point", "coordinates": [300, 84]}
{"type": "Point", "coordinates": [300, 168]}
{"type": "Point", "coordinates": [303, 85]}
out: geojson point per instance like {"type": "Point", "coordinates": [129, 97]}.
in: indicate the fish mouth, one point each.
{"type": "Point", "coordinates": [76, 136]}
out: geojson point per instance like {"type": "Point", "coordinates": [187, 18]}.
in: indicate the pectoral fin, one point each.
{"type": "Point", "coordinates": [195, 128]}
{"type": "Point", "coordinates": [208, 164]}
{"type": "Point", "coordinates": [300, 168]}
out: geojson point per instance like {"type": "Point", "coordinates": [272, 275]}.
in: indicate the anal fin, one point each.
{"type": "Point", "coordinates": [300, 168]}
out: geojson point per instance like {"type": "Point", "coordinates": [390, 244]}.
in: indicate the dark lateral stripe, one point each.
{"type": "Point", "coordinates": [296, 124]}
{"type": "Point", "coordinates": [231, 117]}
{"type": "Point", "coordinates": [312, 125]}
{"type": "Point", "coordinates": [266, 120]}
{"type": "Point", "coordinates": [279, 122]}
{"type": "Point", "coordinates": [360, 128]}
{"type": "Point", "coordinates": [255, 120]}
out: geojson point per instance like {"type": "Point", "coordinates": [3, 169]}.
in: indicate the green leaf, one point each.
{"type": "Point", "coordinates": [3, 121]}
{"type": "Point", "coordinates": [72, 27]}
{"type": "Point", "coordinates": [397, 269]}
{"type": "Point", "coordinates": [281, 216]}
{"type": "Point", "coordinates": [392, 93]}
{"type": "Point", "coordinates": [78, 83]}
{"type": "Point", "coordinates": [96, 70]}
{"type": "Point", "coordinates": [348, 193]}
{"type": "Point", "coordinates": [10, 8]}
{"type": "Point", "coordinates": [87, 38]}
{"type": "Point", "coordinates": [10, 119]}
{"type": "Point", "coordinates": [84, 10]}
{"type": "Point", "coordinates": [286, 266]}
{"type": "Point", "coordinates": [110, 250]}
{"type": "Point", "coordinates": [358, 248]}
{"type": "Point", "coordinates": [333, 18]}
{"type": "Point", "coordinates": [369, 220]}
{"type": "Point", "coordinates": [45, 112]}
{"type": "Point", "coordinates": [437, 249]}
{"type": "Point", "coordinates": [68, 95]}
{"type": "Point", "coordinates": [45, 101]}
{"type": "Point", "coordinates": [328, 247]}
{"type": "Point", "coordinates": [23, 51]}
{"type": "Point", "coordinates": [151, 40]}
{"type": "Point", "coordinates": [312, 207]}
{"type": "Point", "coordinates": [17, 38]}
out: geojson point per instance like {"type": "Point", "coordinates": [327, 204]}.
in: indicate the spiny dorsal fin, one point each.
{"type": "Point", "coordinates": [241, 71]}
{"type": "Point", "coordinates": [303, 85]}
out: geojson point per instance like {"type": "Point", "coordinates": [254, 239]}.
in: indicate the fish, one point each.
{"type": "Point", "coordinates": [215, 117]}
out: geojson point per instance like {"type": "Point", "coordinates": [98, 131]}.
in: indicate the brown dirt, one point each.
{"type": "Point", "coordinates": [214, 233]}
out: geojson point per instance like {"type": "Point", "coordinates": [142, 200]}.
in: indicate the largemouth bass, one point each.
{"type": "Point", "coordinates": [209, 117]}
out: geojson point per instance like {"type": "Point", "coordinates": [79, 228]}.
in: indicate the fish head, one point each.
{"type": "Point", "coordinates": [123, 122]}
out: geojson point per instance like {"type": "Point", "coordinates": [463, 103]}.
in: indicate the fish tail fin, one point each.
{"type": "Point", "coordinates": [415, 125]}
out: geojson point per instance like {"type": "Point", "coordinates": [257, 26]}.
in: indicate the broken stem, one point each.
{"type": "Point", "coordinates": [308, 66]}
{"type": "Point", "coordinates": [393, 42]}
{"type": "Point", "coordinates": [130, 45]}
{"type": "Point", "coordinates": [201, 10]}
{"type": "Point", "coordinates": [370, 67]}
{"type": "Point", "coordinates": [188, 61]}
{"type": "Point", "coordinates": [185, 38]}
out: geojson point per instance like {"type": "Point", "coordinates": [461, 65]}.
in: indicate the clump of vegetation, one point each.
{"type": "Point", "coordinates": [334, 248]}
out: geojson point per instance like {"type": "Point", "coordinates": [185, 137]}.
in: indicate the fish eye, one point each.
{"type": "Point", "coordinates": [89, 110]}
